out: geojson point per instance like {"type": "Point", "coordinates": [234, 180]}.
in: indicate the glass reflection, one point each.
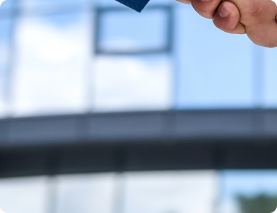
{"type": "Point", "coordinates": [248, 191]}
{"type": "Point", "coordinates": [132, 83]}
{"type": "Point", "coordinates": [214, 68]}
{"type": "Point", "coordinates": [170, 192]}
{"type": "Point", "coordinates": [203, 191]}
{"type": "Point", "coordinates": [32, 4]}
{"type": "Point", "coordinates": [5, 51]}
{"type": "Point", "coordinates": [270, 76]}
{"type": "Point", "coordinates": [53, 54]}
{"type": "Point", "coordinates": [23, 195]}
{"type": "Point", "coordinates": [126, 30]}
{"type": "Point", "coordinates": [136, 192]}
{"type": "Point", "coordinates": [85, 193]}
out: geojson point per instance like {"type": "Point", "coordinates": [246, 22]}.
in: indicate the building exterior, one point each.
{"type": "Point", "coordinates": [107, 110]}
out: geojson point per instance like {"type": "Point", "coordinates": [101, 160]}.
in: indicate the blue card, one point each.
{"type": "Point", "coordinates": [137, 5]}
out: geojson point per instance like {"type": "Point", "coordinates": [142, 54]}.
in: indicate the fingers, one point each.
{"type": "Point", "coordinates": [264, 34]}
{"type": "Point", "coordinates": [257, 18]}
{"type": "Point", "coordinates": [185, 1]}
{"type": "Point", "coordinates": [205, 8]}
{"type": "Point", "coordinates": [227, 18]}
{"type": "Point", "coordinates": [260, 22]}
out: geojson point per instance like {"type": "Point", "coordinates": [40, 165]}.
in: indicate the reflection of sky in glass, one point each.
{"type": "Point", "coordinates": [23, 195]}
{"type": "Point", "coordinates": [53, 53]}
{"type": "Point", "coordinates": [245, 182]}
{"type": "Point", "coordinates": [170, 192]}
{"type": "Point", "coordinates": [133, 83]}
{"type": "Point", "coordinates": [214, 68]}
{"type": "Point", "coordinates": [85, 193]}
{"type": "Point", "coordinates": [270, 79]}
{"type": "Point", "coordinates": [5, 36]}
{"type": "Point", "coordinates": [51, 3]}
{"type": "Point", "coordinates": [132, 192]}
{"type": "Point", "coordinates": [128, 30]}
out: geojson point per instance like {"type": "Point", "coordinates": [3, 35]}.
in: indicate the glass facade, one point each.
{"type": "Point", "coordinates": [115, 34]}
{"type": "Point", "coordinates": [248, 191]}
{"type": "Point", "coordinates": [5, 55]}
{"type": "Point", "coordinates": [146, 78]}
{"type": "Point", "coordinates": [270, 74]}
{"type": "Point", "coordinates": [203, 191]}
{"type": "Point", "coordinates": [213, 68]}
{"type": "Point", "coordinates": [155, 192]}
{"type": "Point", "coordinates": [79, 56]}
{"type": "Point", "coordinates": [63, 57]}
{"type": "Point", "coordinates": [170, 192]}
{"type": "Point", "coordinates": [52, 58]}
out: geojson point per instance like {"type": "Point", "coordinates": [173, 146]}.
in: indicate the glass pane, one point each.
{"type": "Point", "coordinates": [132, 83]}
{"type": "Point", "coordinates": [170, 192]}
{"type": "Point", "coordinates": [132, 31]}
{"type": "Point", "coordinates": [27, 4]}
{"type": "Point", "coordinates": [251, 191]}
{"type": "Point", "coordinates": [85, 193]}
{"type": "Point", "coordinates": [214, 68]}
{"type": "Point", "coordinates": [23, 195]}
{"type": "Point", "coordinates": [5, 44]}
{"type": "Point", "coordinates": [270, 78]}
{"type": "Point", "coordinates": [53, 52]}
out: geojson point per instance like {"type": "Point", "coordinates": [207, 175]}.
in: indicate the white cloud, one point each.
{"type": "Point", "coordinates": [155, 192]}
{"type": "Point", "coordinates": [133, 83]}
{"type": "Point", "coordinates": [53, 66]}
{"type": "Point", "coordinates": [85, 193]}
{"type": "Point", "coordinates": [23, 195]}
{"type": "Point", "coordinates": [52, 61]}
{"type": "Point", "coordinates": [171, 192]}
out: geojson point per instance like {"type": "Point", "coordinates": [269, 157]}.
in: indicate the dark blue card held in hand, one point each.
{"type": "Point", "coordinates": [137, 5]}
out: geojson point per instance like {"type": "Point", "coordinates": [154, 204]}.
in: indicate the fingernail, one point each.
{"type": "Point", "coordinates": [223, 12]}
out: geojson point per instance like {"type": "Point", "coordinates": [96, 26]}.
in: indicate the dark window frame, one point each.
{"type": "Point", "coordinates": [167, 48]}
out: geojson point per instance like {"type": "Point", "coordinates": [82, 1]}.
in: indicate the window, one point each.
{"type": "Point", "coordinates": [170, 192]}
{"type": "Point", "coordinates": [85, 193]}
{"type": "Point", "coordinates": [124, 31]}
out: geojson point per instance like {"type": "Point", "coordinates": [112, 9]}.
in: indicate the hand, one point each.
{"type": "Point", "coordinates": [256, 18]}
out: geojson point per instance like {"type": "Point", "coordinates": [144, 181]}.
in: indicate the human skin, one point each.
{"type": "Point", "coordinates": [256, 18]}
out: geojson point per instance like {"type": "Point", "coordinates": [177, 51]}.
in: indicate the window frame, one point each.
{"type": "Point", "coordinates": [167, 48]}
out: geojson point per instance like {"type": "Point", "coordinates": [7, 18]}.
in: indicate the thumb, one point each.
{"type": "Point", "coordinates": [227, 18]}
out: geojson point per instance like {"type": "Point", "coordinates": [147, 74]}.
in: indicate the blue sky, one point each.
{"type": "Point", "coordinates": [249, 183]}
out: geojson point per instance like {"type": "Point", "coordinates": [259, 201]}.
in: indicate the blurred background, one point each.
{"type": "Point", "coordinates": [105, 110]}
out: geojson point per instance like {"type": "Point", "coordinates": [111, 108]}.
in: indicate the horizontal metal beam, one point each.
{"type": "Point", "coordinates": [136, 141]}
